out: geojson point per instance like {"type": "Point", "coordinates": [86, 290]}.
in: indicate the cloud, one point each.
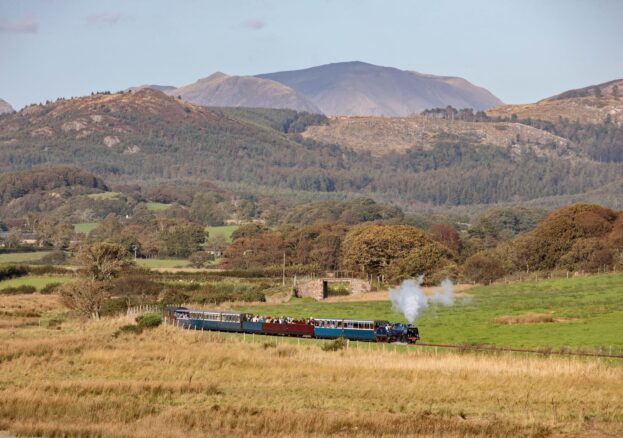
{"type": "Point", "coordinates": [253, 24]}
{"type": "Point", "coordinates": [23, 25]}
{"type": "Point", "coordinates": [109, 18]}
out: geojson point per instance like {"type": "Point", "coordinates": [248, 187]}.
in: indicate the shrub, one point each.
{"type": "Point", "coordinates": [49, 288]}
{"type": "Point", "coordinates": [483, 268]}
{"type": "Point", "coordinates": [338, 344]}
{"type": "Point", "coordinates": [12, 271]}
{"type": "Point", "coordinates": [54, 258]}
{"type": "Point", "coordinates": [128, 328]}
{"type": "Point", "coordinates": [149, 320]}
{"type": "Point", "coordinates": [24, 289]}
{"type": "Point", "coordinates": [115, 306]}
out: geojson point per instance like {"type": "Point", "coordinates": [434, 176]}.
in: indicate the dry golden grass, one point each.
{"type": "Point", "coordinates": [529, 318]}
{"type": "Point", "coordinates": [81, 380]}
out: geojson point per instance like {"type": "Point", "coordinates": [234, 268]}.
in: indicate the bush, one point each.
{"type": "Point", "coordinates": [149, 320]}
{"type": "Point", "coordinates": [54, 258]}
{"type": "Point", "coordinates": [129, 328]}
{"type": "Point", "coordinates": [483, 268]}
{"type": "Point", "coordinates": [115, 306]}
{"type": "Point", "coordinates": [24, 289]}
{"type": "Point", "coordinates": [49, 288]}
{"type": "Point", "coordinates": [338, 344]}
{"type": "Point", "coordinates": [12, 271]}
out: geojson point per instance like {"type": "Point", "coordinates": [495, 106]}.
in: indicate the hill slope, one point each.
{"type": "Point", "coordinates": [147, 135]}
{"type": "Point", "coordinates": [220, 89]}
{"type": "Point", "coordinates": [593, 104]}
{"type": "Point", "coordinates": [357, 88]}
{"type": "Point", "coordinates": [5, 107]}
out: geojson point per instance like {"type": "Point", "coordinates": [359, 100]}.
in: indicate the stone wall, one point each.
{"type": "Point", "coordinates": [314, 288]}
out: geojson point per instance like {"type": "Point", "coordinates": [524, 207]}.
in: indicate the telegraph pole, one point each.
{"type": "Point", "coordinates": [283, 280]}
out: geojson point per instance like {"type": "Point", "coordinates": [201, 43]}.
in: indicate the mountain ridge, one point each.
{"type": "Point", "coordinates": [5, 107]}
{"type": "Point", "coordinates": [357, 88]}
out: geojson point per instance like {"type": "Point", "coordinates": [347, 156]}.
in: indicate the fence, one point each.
{"type": "Point", "coordinates": [135, 311]}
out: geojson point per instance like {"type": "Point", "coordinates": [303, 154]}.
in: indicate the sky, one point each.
{"type": "Point", "coordinates": [520, 50]}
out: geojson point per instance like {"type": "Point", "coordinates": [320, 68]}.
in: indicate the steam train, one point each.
{"type": "Point", "coordinates": [321, 328]}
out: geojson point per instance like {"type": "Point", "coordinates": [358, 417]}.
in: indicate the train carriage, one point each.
{"type": "Point", "coordinates": [327, 328]}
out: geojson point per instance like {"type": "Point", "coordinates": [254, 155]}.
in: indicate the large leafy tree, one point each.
{"type": "Point", "coordinates": [395, 251]}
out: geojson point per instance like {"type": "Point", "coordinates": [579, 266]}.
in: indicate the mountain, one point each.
{"type": "Point", "coordinates": [222, 90]}
{"type": "Point", "coordinates": [417, 162]}
{"type": "Point", "coordinates": [360, 89]}
{"type": "Point", "coordinates": [5, 107]}
{"type": "Point", "coordinates": [593, 104]}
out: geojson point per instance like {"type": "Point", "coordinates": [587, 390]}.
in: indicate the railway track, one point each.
{"type": "Point", "coordinates": [519, 350]}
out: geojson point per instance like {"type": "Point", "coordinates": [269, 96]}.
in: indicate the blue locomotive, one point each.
{"type": "Point", "coordinates": [322, 328]}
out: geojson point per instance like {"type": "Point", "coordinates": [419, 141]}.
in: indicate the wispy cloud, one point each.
{"type": "Point", "coordinates": [253, 24]}
{"type": "Point", "coordinates": [23, 25]}
{"type": "Point", "coordinates": [109, 18]}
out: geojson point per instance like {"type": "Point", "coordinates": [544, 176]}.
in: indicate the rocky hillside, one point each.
{"type": "Point", "coordinates": [222, 90]}
{"type": "Point", "coordinates": [358, 88]}
{"type": "Point", "coordinates": [149, 136]}
{"type": "Point", "coordinates": [5, 107]}
{"type": "Point", "coordinates": [594, 104]}
{"type": "Point", "coordinates": [382, 135]}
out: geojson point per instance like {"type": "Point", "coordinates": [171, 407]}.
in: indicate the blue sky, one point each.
{"type": "Point", "coordinates": [521, 50]}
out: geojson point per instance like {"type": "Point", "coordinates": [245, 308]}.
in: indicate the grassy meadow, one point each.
{"type": "Point", "coordinates": [162, 263]}
{"type": "Point", "coordinates": [85, 227]}
{"type": "Point", "coordinates": [22, 257]}
{"type": "Point", "coordinates": [585, 312]}
{"type": "Point", "coordinates": [37, 281]}
{"type": "Point", "coordinates": [157, 206]}
{"type": "Point", "coordinates": [82, 380]}
{"type": "Point", "coordinates": [224, 230]}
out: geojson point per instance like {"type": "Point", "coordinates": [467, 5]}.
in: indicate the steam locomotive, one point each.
{"type": "Point", "coordinates": [321, 328]}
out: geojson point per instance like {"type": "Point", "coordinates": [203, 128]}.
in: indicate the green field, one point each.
{"type": "Point", "coordinates": [22, 257]}
{"type": "Point", "coordinates": [37, 281]}
{"type": "Point", "coordinates": [591, 310]}
{"type": "Point", "coordinates": [85, 227]}
{"type": "Point", "coordinates": [157, 206]}
{"type": "Point", "coordinates": [225, 230]}
{"type": "Point", "coordinates": [105, 195]}
{"type": "Point", "coordinates": [163, 263]}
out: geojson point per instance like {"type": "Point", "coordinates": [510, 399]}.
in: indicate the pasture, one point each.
{"type": "Point", "coordinates": [36, 281]}
{"type": "Point", "coordinates": [85, 227]}
{"type": "Point", "coordinates": [223, 230]}
{"type": "Point", "coordinates": [105, 195]}
{"type": "Point", "coordinates": [171, 382]}
{"type": "Point", "coordinates": [162, 263]}
{"type": "Point", "coordinates": [586, 312]}
{"type": "Point", "coordinates": [22, 257]}
{"type": "Point", "coordinates": [157, 206]}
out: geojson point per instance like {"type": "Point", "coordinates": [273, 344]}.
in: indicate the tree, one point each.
{"type": "Point", "coordinates": [483, 268]}
{"type": "Point", "coordinates": [102, 261]}
{"type": "Point", "coordinates": [447, 236]}
{"type": "Point", "coordinates": [396, 251]}
{"type": "Point", "coordinates": [182, 239]}
{"type": "Point", "coordinates": [200, 259]}
{"type": "Point", "coordinates": [86, 296]}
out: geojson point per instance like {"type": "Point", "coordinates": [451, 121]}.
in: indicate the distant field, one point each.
{"type": "Point", "coordinates": [85, 227]}
{"type": "Point", "coordinates": [225, 230]}
{"type": "Point", "coordinates": [163, 263]}
{"type": "Point", "coordinates": [588, 312]}
{"type": "Point", "coordinates": [157, 206]}
{"type": "Point", "coordinates": [105, 195]}
{"type": "Point", "coordinates": [37, 281]}
{"type": "Point", "coordinates": [22, 257]}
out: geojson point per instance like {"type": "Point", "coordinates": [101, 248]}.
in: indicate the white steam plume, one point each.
{"type": "Point", "coordinates": [411, 301]}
